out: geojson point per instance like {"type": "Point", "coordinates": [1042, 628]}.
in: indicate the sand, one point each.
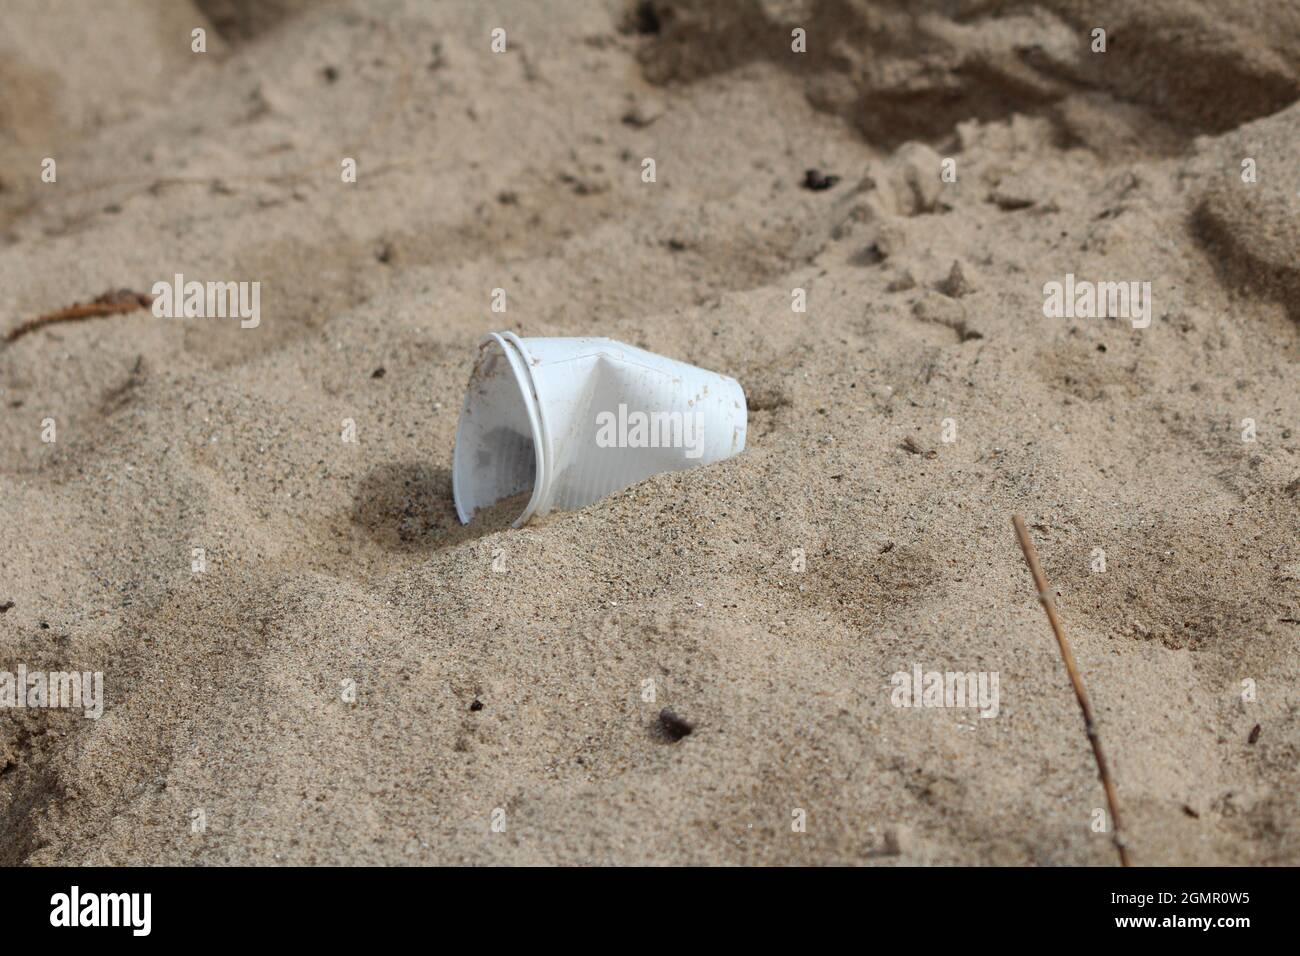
{"type": "Point", "coordinates": [349, 681]}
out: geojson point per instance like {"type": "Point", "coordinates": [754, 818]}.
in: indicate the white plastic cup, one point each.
{"type": "Point", "coordinates": [576, 419]}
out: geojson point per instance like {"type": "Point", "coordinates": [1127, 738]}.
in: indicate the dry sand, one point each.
{"type": "Point", "coordinates": [330, 562]}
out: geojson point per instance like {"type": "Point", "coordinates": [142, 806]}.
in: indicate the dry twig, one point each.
{"type": "Point", "coordinates": [1045, 597]}
{"type": "Point", "coordinates": [110, 303]}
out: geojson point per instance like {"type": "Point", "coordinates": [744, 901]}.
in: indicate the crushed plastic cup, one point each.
{"type": "Point", "coordinates": [576, 419]}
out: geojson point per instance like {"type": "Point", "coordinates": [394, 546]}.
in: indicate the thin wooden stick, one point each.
{"type": "Point", "coordinates": [110, 303]}
{"type": "Point", "coordinates": [1045, 597]}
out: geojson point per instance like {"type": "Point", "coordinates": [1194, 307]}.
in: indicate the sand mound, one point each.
{"type": "Point", "coordinates": [906, 70]}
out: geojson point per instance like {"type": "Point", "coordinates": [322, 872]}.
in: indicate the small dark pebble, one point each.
{"type": "Point", "coordinates": [674, 726]}
{"type": "Point", "coordinates": [1254, 734]}
{"type": "Point", "coordinates": [816, 180]}
{"type": "Point", "coordinates": [645, 18]}
{"type": "Point", "coordinates": [6, 606]}
{"type": "Point", "coordinates": [1190, 812]}
{"type": "Point", "coordinates": [477, 705]}
{"type": "Point", "coordinates": [379, 372]}
{"type": "Point", "coordinates": [330, 73]}
{"type": "Point", "coordinates": [46, 627]}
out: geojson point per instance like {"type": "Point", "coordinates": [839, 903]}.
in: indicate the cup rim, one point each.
{"type": "Point", "coordinates": [512, 347]}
